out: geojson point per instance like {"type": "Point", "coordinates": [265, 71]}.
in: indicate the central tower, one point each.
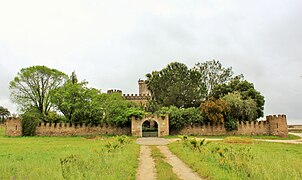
{"type": "Point", "coordinates": [143, 89]}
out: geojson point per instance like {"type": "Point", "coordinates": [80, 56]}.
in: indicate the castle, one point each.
{"type": "Point", "coordinates": [273, 125]}
{"type": "Point", "coordinates": [141, 98]}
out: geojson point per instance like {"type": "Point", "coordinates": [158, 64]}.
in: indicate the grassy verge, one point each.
{"type": "Point", "coordinates": [67, 157]}
{"type": "Point", "coordinates": [290, 137]}
{"type": "Point", "coordinates": [163, 169]}
{"type": "Point", "coordinates": [242, 159]}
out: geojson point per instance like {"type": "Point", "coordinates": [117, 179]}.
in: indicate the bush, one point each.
{"type": "Point", "coordinates": [29, 122]}
{"type": "Point", "coordinates": [182, 117]}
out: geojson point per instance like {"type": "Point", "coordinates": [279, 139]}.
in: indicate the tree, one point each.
{"type": "Point", "coordinates": [117, 110]}
{"type": "Point", "coordinates": [237, 109]}
{"type": "Point", "coordinates": [31, 87]}
{"type": "Point", "coordinates": [246, 90]}
{"type": "Point", "coordinates": [4, 113]}
{"type": "Point", "coordinates": [70, 97]}
{"type": "Point", "coordinates": [213, 74]}
{"type": "Point", "coordinates": [214, 110]}
{"type": "Point", "coordinates": [176, 85]}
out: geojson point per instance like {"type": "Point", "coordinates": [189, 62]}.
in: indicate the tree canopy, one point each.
{"type": "Point", "coordinates": [245, 89]}
{"type": "Point", "coordinates": [176, 85]}
{"type": "Point", "coordinates": [212, 73]}
{"type": "Point", "coordinates": [4, 113]}
{"type": "Point", "coordinates": [31, 87]}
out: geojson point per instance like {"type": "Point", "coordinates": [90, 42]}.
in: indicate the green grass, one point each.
{"type": "Point", "coordinates": [163, 169]}
{"type": "Point", "coordinates": [71, 157]}
{"type": "Point", "coordinates": [235, 160]}
{"type": "Point", "coordinates": [2, 130]}
{"type": "Point", "coordinates": [290, 137]}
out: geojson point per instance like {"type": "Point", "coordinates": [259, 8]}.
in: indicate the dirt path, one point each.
{"type": "Point", "coordinates": [179, 168]}
{"type": "Point", "coordinates": [146, 167]}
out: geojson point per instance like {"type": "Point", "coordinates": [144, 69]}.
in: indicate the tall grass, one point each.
{"type": "Point", "coordinates": [67, 158]}
{"type": "Point", "coordinates": [243, 159]}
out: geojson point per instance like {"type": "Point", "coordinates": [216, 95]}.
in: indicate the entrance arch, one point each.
{"type": "Point", "coordinates": [150, 128]}
{"type": "Point", "coordinates": [162, 125]}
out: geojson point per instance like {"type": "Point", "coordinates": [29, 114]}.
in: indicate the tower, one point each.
{"type": "Point", "coordinates": [143, 89]}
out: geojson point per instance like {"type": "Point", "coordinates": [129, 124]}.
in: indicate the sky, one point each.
{"type": "Point", "coordinates": [112, 44]}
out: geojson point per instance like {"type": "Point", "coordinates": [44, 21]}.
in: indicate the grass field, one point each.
{"type": "Point", "coordinates": [290, 137]}
{"type": "Point", "coordinates": [244, 159]}
{"type": "Point", "coordinates": [67, 157]}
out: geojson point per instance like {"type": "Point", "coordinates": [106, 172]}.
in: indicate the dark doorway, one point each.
{"type": "Point", "coordinates": [150, 129]}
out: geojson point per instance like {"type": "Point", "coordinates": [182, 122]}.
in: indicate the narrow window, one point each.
{"type": "Point", "coordinates": [16, 127]}
{"type": "Point", "coordinates": [277, 125]}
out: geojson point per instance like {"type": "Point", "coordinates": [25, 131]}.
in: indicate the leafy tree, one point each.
{"type": "Point", "coordinates": [70, 97]}
{"type": "Point", "coordinates": [117, 110]}
{"type": "Point", "coordinates": [214, 110]}
{"type": "Point", "coordinates": [176, 85]}
{"type": "Point", "coordinates": [213, 74]}
{"type": "Point", "coordinates": [238, 109]}
{"type": "Point", "coordinates": [31, 87]}
{"type": "Point", "coordinates": [246, 90]}
{"type": "Point", "coordinates": [4, 113]}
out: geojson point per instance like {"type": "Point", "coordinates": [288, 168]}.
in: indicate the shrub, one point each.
{"type": "Point", "coordinates": [181, 117]}
{"type": "Point", "coordinates": [30, 120]}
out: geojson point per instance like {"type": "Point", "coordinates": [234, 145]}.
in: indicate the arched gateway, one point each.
{"type": "Point", "coordinates": [161, 121]}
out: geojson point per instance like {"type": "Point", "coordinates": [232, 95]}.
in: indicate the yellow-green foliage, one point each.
{"type": "Point", "coordinates": [239, 140]}
{"type": "Point", "coordinates": [262, 160]}
{"type": "Point", "coordinates": [67, 157]}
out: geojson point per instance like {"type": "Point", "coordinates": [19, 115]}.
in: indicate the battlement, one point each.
{"type": "Point", "coordinates": [136, 96]}
{"type": "Point", "coordinates": [111, 91]}
{"type": "Point", "coordinates": [280, 117]}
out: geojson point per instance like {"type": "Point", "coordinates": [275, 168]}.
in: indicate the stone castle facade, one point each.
{"type": "Point", "coordinates": [141, 98]}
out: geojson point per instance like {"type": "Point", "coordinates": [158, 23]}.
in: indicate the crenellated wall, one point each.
{"type": "Point", "coordinates": [67, 129]}
{"type": "Point", "coordinates": [274, 125]}
{"type": "Point", "coordinates": [14, 128]}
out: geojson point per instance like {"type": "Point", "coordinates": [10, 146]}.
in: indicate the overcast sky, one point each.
{"type": "Point", "coordinates": [112, 43]}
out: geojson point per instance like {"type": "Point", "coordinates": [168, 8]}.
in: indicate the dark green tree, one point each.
{"type": "Point", "coordinates": [4, 113]}
{"type": "Point", "coordinates": [31, 87]}
{"type": "Point", "coordinates": [176, 85]}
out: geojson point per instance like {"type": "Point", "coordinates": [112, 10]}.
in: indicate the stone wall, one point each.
{"type": "Point", "coordinates": [14, 128]}
{"type": "Point", "coordinates": [67, 129]}
{"type": "Point", "coordinates": [274, 125]}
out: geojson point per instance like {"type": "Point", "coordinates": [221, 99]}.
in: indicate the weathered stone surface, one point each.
{"type": "Point", "coordinates": [162, 122]}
